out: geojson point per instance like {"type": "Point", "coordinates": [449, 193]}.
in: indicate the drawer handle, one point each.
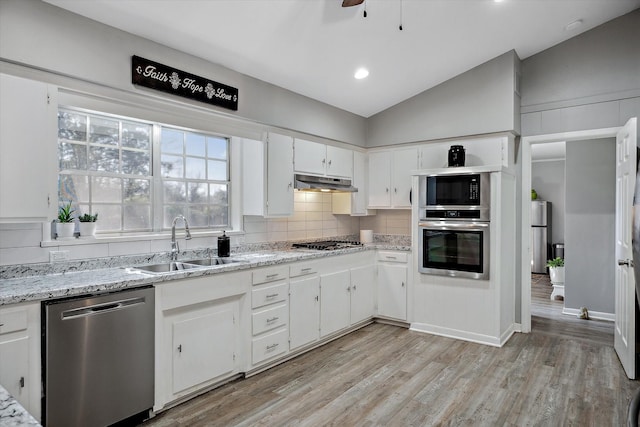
{"type": "Point", "coordinates": [391, 257]}
{"type": "Point", "coordinates": [272, 295]}
{"type": "Point", "coordinates": [306, 269]}
{"type": "Point", "coordinates": [271, 276]}
{"type": "Point", "coordinates": [272, 346]}
{"type": "Point", "coordinates": [273, 319]}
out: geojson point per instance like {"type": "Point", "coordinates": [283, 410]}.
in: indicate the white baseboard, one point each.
{"type": "Point", "coordinates": [464, 335]}
{"type": "Point", "coordinates": [609, 317]}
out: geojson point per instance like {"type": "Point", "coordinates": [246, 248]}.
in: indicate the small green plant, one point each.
{"type": "Point", "coordinates": [556, 262]}
{"type": "Point", "coordinates": [65, 213]}
{"type": "Point", "coordinates": [88, 218]}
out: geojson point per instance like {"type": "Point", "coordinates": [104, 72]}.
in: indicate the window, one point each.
{"type": "Point", "coordinates": [112, 166]}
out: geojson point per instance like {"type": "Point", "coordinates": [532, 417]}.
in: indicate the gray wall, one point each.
{"type": "Point", "coordinates": [40, 35]}
{"type": "Point", "coordinates": [590, 81]}
{"type": "Point", "coordinates": [481, 100]}
{"type": "Point", "coordinates": [547, 177]}
{"type": "Point", "coordinates": [590, 225]}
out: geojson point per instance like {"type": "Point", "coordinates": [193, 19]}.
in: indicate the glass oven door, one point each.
{"type": "Point", "coordinates": [454, 248]}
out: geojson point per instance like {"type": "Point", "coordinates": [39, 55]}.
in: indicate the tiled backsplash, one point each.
{"type": "Point", "coordinates": [312, 219]}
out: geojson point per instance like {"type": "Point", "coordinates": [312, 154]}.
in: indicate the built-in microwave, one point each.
{"type": "Point", "coordinates": [458, 196]}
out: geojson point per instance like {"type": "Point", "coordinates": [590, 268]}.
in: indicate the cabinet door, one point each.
{"type": "Point", "coordinates": [28, 149]}
{"type": "Point", "coordinates": [335, 305]}
{"type": "Point", "coordinates": [363, 285]}
{"type": "Point", "coordinates": [310, 157]}
{"type": "Point", "coordinates": [279, 175]}
{"type": "Point", "coordinates": [202, 348]}
{"type": "Point", "coordinates": [339, 162]}
{"type": "Point", "coordinates": [392, 291]}
{"type": "Point", "coordinates": [14, 355]}
{"type": "Point", "coordinates": [380, 179]}
{"type": "Point", "coordinates": [304, 311]}
{"type": "Point", "coordinates": [404, 161]}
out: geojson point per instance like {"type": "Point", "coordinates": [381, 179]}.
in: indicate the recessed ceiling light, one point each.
{"type": "Point", "coordinates": [573, 25]}
{"type": "Point", "coordinates": [361, 73]}
{"type": "Point", "coordinates": [498, 1]}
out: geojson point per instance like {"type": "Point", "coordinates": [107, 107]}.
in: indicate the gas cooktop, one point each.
{"type": "Point", "coordinates": [327, 245]}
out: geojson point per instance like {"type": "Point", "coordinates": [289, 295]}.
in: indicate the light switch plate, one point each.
{"type": "Point", "coordinates": [55, 256]}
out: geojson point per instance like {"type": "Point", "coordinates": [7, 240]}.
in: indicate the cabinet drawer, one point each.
{"type": "Point", "coordinates": [302, 269]}
{"type": "Point", "coordinates": [268, 295]}
{"type": "Point", "coordinates": [13, 320]}
{"type": "Point", "coordinates": [269, 346]}
{"type": "Point", "coordinates": [393, 256]}
{"type": "Point", "coordinates": [270, 274]}
{"type": "Point", "coordinates": [269, 319]}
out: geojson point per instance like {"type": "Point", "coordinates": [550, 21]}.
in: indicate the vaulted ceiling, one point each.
{"type": "Point", "coordinates": [313, 47]}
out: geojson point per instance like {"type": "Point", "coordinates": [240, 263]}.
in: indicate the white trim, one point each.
{"type": "Point", "coordinates": [464, 335]}
{"type": "Point", "coordinates": [527, 141]}
{"type": "Point", "coordinates": [609, 317]}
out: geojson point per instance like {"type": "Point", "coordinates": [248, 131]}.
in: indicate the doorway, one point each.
{"type": "Point", "coordinates": [527, 143]}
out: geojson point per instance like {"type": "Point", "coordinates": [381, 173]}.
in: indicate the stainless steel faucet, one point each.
{"type": "Point", "coordinates": [174, 245]}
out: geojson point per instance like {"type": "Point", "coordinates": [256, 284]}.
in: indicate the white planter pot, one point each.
{"type": "Point", "coordinates": [87, 229]}
{"type": "Point", "coordinates": [556, 274]}
{"type": "Point", "coordinates": [65, 230]}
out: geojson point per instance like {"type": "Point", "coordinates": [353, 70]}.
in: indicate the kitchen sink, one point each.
{"type": "Point", "coordinates": [211, 261]}
{"type": "Point", "coordinates": [165, 267]}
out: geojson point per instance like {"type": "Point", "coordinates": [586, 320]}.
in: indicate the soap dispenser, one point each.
{"type": "Point", "coordinates": [224, 246]}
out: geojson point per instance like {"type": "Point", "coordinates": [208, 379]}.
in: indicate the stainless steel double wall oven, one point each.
{"type": "Point", "coordinates": [454, 225]}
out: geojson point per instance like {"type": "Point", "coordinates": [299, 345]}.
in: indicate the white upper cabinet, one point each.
{"type": "Point", "coordinates": [390, 177]}
{"type": "Point", "coordinates": [320, 159]}
{"type": "Point", "coordinates": [28, 150]}
{"type": "Point", "coordinates": [267, 176]}
{"type": "Point", "coordinates": [355, 204]}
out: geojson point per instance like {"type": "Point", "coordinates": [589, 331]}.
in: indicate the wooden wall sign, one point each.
{"type": "Point", "coordinates": [171, 80]}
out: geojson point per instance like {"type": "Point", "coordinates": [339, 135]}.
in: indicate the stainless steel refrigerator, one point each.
{"type": "Point", "coordinates": [540, 235]}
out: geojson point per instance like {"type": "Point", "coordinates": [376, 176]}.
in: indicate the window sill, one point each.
{"type": "Point", "coordinates": [106, 238]}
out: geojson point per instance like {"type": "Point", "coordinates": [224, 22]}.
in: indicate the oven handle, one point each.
{"type": "Point", "coordinates": [462, 225]}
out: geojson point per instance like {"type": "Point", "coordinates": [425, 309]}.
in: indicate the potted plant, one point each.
{"type": "Point", "coordinates": [556, 270]}
{"type": "Point", "coordinates": [65, 226]}
{"type": "Point", "coordinates": [88, 225]}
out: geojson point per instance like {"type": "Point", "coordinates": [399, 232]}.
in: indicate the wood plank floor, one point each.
{"type": "Point", "coordinates": [563, 373]}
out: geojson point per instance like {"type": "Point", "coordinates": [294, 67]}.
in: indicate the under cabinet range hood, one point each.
{"type": "Point", "coordinates": [323, 183]}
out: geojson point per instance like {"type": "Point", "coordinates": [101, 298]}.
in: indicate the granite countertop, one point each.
{"type": "Point", "coordinates": [71, 283]}
{"type": "Point", "coordinates": [12, 413]}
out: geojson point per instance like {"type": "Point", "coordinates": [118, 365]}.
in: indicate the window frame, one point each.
{"type": "Point", "coordinates": [156, 179]}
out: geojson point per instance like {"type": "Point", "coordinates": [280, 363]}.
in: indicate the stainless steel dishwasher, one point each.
{"type": "Point", "coordinates": [98, 358]}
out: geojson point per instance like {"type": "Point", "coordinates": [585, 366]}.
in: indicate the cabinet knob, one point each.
{"type": "Point", "coordinates": [21, 382]}
{"type": "Point", "coordinates": [180, 348]}
{"type": "Point", "coordinates": [354, 287]}
{"type": "Point", "coordinates": [403, 284]}
{"type": "Point", "coordinates": [317, 299]}
{"type": "Point", "coordinates": [324, 161]}
{"type": "Point", "coordinates": [348, 288]}
{"type": "Point", "coordinates": [329, 162]}
{"type": "Point", "coordinates": [386, 189]}
{"type": "Point", "coordinates": [395, 190]}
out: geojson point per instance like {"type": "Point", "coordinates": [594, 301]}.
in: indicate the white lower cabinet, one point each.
{"type": "Point", "coordinates": [199, 333]}
{"type": "Point", "coordinates": [363, 293]}
{"type": "Point", "coordinates": [270, 314]}
{"type": "Point", "coordinates": [335, 302]}
{"type": "Point", "coordinates": [20, 354]}
{"type": "Point", "coordinates": [392, 284]}
{"type": "Point", "coordinates": [304, 311]}
{"type": "Point", "coordinates": [202, 345]}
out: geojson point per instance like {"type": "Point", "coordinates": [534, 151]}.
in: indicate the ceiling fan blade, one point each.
{"type": "Point", "coordinates": [349, 3]}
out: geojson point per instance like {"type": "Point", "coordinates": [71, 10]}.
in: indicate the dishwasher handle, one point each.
{"type": "Point", "coordinates": [101, 308]}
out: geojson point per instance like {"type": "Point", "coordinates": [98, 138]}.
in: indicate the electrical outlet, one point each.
{"type": "Point", "coordinates": [58, 256]}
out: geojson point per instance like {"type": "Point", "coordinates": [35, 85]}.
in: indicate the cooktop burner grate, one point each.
{"type": "Point", "coordinates": [327, 245]}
